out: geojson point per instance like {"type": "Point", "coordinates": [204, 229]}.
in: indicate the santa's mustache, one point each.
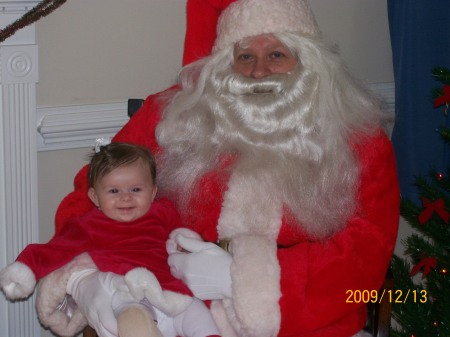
{"type": "Point", "coordinates": [237, 84]}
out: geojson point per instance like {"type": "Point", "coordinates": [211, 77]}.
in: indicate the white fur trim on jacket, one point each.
{"type": "Point", "coordinates": [17, 281]}
{"type": "Point", "coordinates": [247, 18]}
{"type": "Point", "coordinates": [51, 292]}
{"type": "Point", "coordinates": [250, 219]}
{"type": "Point", "coordinates": [142, 283]}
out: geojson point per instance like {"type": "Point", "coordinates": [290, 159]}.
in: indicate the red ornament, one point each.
{"type": "Point", "coordinates": [437, 206]}
{"type": "Point", "coordinates": [445, 98]}
{"type": "Point", "coordinates": [426, 263]}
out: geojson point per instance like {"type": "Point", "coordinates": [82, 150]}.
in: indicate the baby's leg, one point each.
{"type": "Point", "coordinates": [195, 321]}
{"type": "Point", "coordinates": [134, 319]}
{"type": "Point", "coordinates": [137, 321]}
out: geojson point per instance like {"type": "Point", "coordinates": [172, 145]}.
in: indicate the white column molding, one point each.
{"type": "Point", "coordinates": [18, 157]}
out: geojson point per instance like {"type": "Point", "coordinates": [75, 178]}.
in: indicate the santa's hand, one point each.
{"type": "Point", "coordinates": [17, 281]}
{"type": "Point", "coordinates": [92, 290]}
{"type": "Point", "coordinates": [205, 268]}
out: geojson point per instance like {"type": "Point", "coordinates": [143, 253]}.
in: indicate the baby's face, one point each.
{"type": "Point", "coordinates": [125, 193]}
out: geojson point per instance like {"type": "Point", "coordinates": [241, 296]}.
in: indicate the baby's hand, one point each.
{"type": "Point", "coordinates": [173, 247]}
{"type": "Point", "coordinates": [17, 281]}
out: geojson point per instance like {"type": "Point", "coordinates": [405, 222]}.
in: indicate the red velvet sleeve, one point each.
{"type": "Point", "coordinates": [316, 277]}
{"type": "Point", "coordinates": [44, 258]}
{"type": "Point", "coordinates": [139, 130]}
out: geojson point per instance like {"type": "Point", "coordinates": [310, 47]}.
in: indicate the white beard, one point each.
{"type": "Point", "coordinates": [293, 154]}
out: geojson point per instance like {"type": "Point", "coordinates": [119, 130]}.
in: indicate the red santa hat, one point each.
{"type": "Point", "coordinates": [202, 17]}
{"type": "Point", "coordinates": [216, 24]}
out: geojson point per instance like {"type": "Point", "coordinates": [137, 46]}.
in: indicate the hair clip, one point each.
{"type": "Point", "coordinates": [100, 142]}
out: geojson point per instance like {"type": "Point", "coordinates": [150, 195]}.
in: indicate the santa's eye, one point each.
{"type": "Point", "coordinates": [277, 55]}
{"type": "Point", "coordinates": [244, 58]}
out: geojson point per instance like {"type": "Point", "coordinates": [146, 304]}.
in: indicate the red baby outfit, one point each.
{"type": "Point", "coordinates": [113, 246]}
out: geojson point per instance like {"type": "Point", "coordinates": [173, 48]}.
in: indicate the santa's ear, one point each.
{"type": "Point", "coordinates": [155, 190]}
{"type": "Point", "coordinates": [93, 196]}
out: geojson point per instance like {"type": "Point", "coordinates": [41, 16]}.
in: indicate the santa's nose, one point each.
{"type": "Point", "coordinates": [260, 69]}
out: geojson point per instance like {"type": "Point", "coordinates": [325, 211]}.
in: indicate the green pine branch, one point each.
{"type": "Point", "coordinates": [441, 74]}
{"type": "Point", "coordinates": [444, 133]}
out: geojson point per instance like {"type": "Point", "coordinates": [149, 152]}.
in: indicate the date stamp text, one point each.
{"type": "Point", "coordinates": [393, 296]}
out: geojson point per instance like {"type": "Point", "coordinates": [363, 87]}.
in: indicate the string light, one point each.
{"type": "Point", "coordinates": [39, 11]}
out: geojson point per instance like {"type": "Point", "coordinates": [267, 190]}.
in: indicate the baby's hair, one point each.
{"type": "Point", "coordinates": [114, 155]}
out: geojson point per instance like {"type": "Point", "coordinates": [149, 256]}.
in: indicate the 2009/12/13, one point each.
{"type": "Point", "coordinates": [393, 296]}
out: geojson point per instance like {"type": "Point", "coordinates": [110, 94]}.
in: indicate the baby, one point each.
{"type": "Point", "coordinates": [126, 238]}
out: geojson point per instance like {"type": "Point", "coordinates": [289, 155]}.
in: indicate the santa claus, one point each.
{"type": "Point", "coordinates": [270, 147]}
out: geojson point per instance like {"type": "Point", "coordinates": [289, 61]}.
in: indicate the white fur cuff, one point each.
{"type": "Point", "coordinates": [143, 284]}
{"type": "Point", "coordinates": [17, 281]}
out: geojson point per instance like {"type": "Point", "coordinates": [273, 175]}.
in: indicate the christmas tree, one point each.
{"type": "Point", "coordinates": [421, 298]}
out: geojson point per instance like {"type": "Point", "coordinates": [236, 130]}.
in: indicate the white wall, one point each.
{"type": "Point", "coordinates": [360, 28]}
{"type": "Point", "coordinates": [106, 51]}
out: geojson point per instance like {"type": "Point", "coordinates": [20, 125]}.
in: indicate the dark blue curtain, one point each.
{"type": "Point", "coordinates": [420, 37]}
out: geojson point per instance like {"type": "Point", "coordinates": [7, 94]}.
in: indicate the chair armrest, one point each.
{"type": "Point", "coordinates": [379, 314]}
{"type": "Point", "coordinates": [134, 104]}
{"type": "Point", "coordinates": [89, 332]}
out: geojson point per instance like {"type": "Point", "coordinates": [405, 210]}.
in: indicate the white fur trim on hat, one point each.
{"type": "Point", "coordinates": [246, 18]}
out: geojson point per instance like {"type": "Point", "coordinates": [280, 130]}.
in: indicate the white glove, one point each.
{"type": "Point", "coordinates": [17, 281]}
{"type": "Point", "coordinates": [204, 268]}
{"type": "Point", "coordinates": [93, 290]}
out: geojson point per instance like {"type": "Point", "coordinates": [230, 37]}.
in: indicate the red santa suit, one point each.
{"type": "Point", "coordinates": [307, 279]}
